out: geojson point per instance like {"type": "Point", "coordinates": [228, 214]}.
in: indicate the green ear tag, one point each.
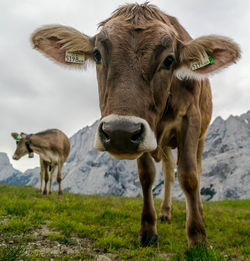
{"type": "Point", "coordinates": [211, 60]}
{"type": "Point", "coordinates": [17, 137]}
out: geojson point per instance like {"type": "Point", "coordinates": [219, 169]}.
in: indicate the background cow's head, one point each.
{"type": "Point", "coordinates": [21, 148]}
{"type": "Point", "coordinates": [138, 52]}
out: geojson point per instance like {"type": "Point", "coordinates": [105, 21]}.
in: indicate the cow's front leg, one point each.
{"type": "Point", "coordinates": [195, 228]}
{"type": "Point", "coordinates": [146, 170]}
{"type": "Point", "coordinates": [189, 179]}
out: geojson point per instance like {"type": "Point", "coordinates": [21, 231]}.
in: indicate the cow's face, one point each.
{"type": "Point", "coordinates": [21, 148]}
{"type": "Point", "coordinates": [134, 71]}
{"type": "Point", "coordinates": [135, 67]}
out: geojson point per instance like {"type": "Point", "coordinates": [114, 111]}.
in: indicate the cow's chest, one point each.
{"type": "Point", "coordinates": [49, 156]}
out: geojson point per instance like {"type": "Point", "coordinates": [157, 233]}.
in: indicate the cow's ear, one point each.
{"type": "Point", "coordinates": [199, 58]}
{"type": "Point", "coordinates": [63, 44]}
{"type": "Point", "coordinates": [15, 135]}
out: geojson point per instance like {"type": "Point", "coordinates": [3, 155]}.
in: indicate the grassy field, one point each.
{"type": "Point", "coordinates": [81, 227]}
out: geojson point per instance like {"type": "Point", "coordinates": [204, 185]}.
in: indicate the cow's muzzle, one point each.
{"type": "Point", "coordinates": [124, 137]}
{"type": "Point", "coordinates": [15, 157]}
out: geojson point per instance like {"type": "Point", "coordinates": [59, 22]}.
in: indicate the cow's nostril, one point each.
{"type": "Point", "coordinates": [104, 135]}
{"type": "Point", "coordinates": [137, 135]}
{"type": "Point", "coordinates": [121, 136]}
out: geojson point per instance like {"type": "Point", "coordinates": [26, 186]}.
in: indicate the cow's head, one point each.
{"type": "Point", "coordinates": [21, 147]}
{"type": "Point", "coordinates": [138, 52]}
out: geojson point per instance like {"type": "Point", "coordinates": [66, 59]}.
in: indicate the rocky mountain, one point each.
{"type": "Point", "coordinates": [9, 175]}
{"type": "Point", "coordinates": [226, 166]}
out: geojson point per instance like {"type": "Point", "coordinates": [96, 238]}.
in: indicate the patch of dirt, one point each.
{"type": "Point", "coordinates": [54, 248]}
{"type": "Point", "coordinates": [4, 219]}
{"type": "Point", "coordinates": [234, 258]}
{"type": "Point", "coordinates": [166, 256]}
{"type": "Point", "coordinates": [39, 243]}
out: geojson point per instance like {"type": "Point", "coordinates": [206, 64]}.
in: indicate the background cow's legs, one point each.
{"type": "Point", "coordinates": [168, 165]}
{"type": "Point", "coordinates": [189, 178]}
{"type": "Point", "coordinates": [146, 170]}
{"type": "Point", "coordinates": [53, 167]}
{"type": "Point", "coordinates": [46, 176]}
{"type": "Point", "coordinates": [59, 177]}
{"type": "Point", "coordinates": [42, 173]}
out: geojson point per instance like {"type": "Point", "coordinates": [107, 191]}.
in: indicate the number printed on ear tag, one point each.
{"type": "Point", "coordinates": [74, 57]}
{"type": "Point", "coordinates": [205, 61]}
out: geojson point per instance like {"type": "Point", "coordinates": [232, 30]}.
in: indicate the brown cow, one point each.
{"type": "Point", "coordinates": [154, 96]}
{"type": "Point", "coordinates": [53, 148]}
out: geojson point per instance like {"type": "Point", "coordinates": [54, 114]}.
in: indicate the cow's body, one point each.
{"type": "Point", "coordinates": [154, 96]}
{"type": "Point", "coordinates": [53, 148]}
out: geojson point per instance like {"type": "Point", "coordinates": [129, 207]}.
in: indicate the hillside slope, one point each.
{"type": "Point", "coordinates": [83, 227]}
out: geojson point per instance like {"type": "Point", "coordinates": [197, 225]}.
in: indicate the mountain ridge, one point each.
{"type": "Point", "coordinates": [226, 168]}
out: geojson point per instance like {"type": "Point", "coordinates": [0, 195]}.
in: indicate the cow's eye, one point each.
{"type": "Point", "coordinates": [97, 56]}
{"type": "Point", "coordinates": [17, 142]}
{"type": "Point", "coordinates": [168, 61]}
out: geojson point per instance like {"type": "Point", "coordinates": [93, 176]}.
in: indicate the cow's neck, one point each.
{"type": "Point", "coordinates": [27, 143]}
{"type": "Point", "coordinates": [36, 145]}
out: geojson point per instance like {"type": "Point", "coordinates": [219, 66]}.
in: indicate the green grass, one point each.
{"type": "Point", "coordinates": [79, 227]}
{"type": "Point", "coordinates": [11, 253]}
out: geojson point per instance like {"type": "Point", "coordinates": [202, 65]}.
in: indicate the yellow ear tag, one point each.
{"type": "Point", "coordinates": [203, 62]}
{"type": "Point", "coordinates": [74, 57]}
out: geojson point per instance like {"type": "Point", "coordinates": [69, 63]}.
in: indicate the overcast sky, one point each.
{"type": "Point", "coordinates": [36, 94]}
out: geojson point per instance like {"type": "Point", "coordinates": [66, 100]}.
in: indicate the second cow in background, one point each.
{"type": "Point", "coordinates": [52, 146]}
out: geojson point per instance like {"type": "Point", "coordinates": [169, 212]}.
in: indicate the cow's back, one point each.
{"type": "Point", "coordinates": [55, 141]}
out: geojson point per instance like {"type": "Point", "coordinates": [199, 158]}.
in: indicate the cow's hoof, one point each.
{"type": "Point", "coordinates": [50, 193]}
{"type": "Point", "coordinates": [147, 239]}
{"type": "Point", "coordinates": [164, 219]}
{"type": "Point", "coordinates": [197, 241]}
{"type": "Point", "coordinates": [196, 235]}
{"type": "Point", "coordinates": [45, 192]}
{"type": "Point", "coordinates": [60, 193]}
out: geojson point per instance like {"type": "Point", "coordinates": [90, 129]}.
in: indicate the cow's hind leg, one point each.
{"type": "Point", "coordinates": [168, 165]}
{"type": "Point", "coordinates": [59, 177]}
{"type": "Point", "coordinates": [52, 170]}
{"type": "Point", "coordinates": [146, 170]}
{"type": "Point", "coordinates": [42, 174]}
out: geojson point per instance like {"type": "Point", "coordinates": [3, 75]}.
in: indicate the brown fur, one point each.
{"type": "Point", "coordinates": [53, 147]}
{"type": "Point", "coordinates": [176, 101]}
